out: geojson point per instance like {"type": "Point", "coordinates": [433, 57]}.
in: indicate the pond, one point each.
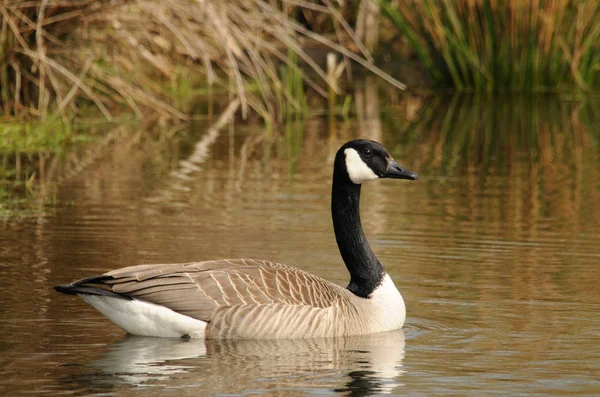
{"type": "Point", "coordinates": [495, 249]}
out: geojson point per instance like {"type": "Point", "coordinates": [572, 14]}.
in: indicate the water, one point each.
{"type": "Point", "coordinates": [495, 249]}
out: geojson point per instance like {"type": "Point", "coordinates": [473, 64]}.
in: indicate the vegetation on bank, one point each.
{"type": "Point", "coordinates": [66, 57]}
{"type": "Point", "coordinates": [77, 57]}
{"type": "Point", "coordinates": [63, 62]}
{"type": "Point", "coordinates": [503, 45]}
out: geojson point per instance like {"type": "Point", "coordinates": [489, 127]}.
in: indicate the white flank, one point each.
{"type": "Point", "coordinates": [146, 319]}
{"type": "Point", "coordinates": [358, 170]}
{"type": "Point", "coordinates": [390, 306]}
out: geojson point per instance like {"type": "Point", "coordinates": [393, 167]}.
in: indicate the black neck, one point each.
{"type": "Point", "coordinates": [366, 272]}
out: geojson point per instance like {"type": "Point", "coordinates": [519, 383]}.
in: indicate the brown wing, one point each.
{"type": "Point", "coordinates": [198, 289]}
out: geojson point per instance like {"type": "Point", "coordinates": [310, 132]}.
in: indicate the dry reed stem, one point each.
{"type": "Point", "coordinates": [116, 53]}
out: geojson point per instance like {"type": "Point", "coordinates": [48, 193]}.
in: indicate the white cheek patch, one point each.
{"type": "Point", "coordinates": [358, 170]}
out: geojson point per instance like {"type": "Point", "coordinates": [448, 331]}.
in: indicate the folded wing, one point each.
{"type": "Point", "coordinates": [198, 289]}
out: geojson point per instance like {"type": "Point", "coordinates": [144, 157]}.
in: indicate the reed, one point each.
{"type": "Point", "coordinates": [503, 45]}
{"type": "Point", "coordinates": [60, 56]}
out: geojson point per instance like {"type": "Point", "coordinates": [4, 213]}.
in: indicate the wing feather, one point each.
{"type": "Point", "coordinates": [231, 292]}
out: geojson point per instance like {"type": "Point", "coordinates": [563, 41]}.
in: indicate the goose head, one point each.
{"type": "Point", "coordinates": [363, 160]}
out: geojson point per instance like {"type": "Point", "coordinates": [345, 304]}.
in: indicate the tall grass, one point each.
{"type": "Point", "coordinates": [503, 45]}
{"type": "Point", "coordinates": [60, 56]}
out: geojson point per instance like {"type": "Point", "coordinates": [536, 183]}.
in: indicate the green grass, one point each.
{"type": "Point", "coordinates": [25, 148]}
{"type": "Point", "coordinates": [503, 45]}
{"type": "Point", "coordinates": [51, 135]}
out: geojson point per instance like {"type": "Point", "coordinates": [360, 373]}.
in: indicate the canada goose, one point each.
{"type": "Point", "coordinates": [248, 299]}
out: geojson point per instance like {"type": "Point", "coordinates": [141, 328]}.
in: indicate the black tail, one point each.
{"type": "Point", "coordinates": [86, 287]}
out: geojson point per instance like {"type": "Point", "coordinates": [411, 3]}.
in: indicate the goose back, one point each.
{"type": "Point", "coordinates": [240, 298]}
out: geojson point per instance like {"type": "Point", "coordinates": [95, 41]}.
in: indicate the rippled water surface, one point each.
{"type": "Point", "coordinates": [495, 249]}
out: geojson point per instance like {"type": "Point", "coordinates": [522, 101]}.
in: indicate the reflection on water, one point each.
{"type": "Point", "coordinates": [363, 365]}
{"type": "Point", "coordinates": [495, 250]}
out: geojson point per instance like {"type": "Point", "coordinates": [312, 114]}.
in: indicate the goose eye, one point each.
{"type": "Point", "coordinates": [367, 152]}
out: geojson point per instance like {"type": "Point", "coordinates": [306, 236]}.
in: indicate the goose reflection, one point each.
{"type": "Point", "coordinates": [356, 365]}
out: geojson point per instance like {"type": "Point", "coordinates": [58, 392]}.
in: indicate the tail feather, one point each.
{"type": "Point", "coordinates": [85, 287]}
